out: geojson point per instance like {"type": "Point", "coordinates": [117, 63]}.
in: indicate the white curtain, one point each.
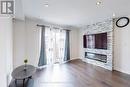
{"type": "Point", "coordinates": [55, 45]}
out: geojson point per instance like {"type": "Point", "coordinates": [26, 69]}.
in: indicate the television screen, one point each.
{"type": "Point", "coordinates": [95, 41]}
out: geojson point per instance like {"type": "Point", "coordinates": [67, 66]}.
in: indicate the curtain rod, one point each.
{"type": "Point", "coordinates": [41, 25]}
{"type": "Point", "coordinates": [49, 26]}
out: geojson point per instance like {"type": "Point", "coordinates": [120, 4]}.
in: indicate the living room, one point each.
{"type": "Point", "coordinates": [54, 43]}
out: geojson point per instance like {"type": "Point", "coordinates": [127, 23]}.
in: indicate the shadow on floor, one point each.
{"type": "Point", "coordinates": [29, 83]}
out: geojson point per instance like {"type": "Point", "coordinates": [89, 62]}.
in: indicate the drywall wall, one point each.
{"type": "Point", "coordinates": [80, 42]}
{"type": "Point", "coordinates": [19, 36]}
{"type": "Point", "coordinates": [19, 10]}
{"type": "Point", "coordinates": [32, 41]}
{"type": "Point", "coordinates": [9, 49]}
{"type": "Point", "coordinates": [74, 44]}
{"type": "Point", "coordinates": [122, 49]}
{"type": "Point", "coordinates": [5, 50]}
{"type": "Point", "coordinates": [27, 41]}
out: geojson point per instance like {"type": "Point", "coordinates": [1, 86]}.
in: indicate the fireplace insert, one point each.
{"type": "Point", "coordinates": [97, 57]}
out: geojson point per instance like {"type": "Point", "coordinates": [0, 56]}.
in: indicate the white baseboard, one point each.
{"type": "Point", "coordinates": [41, 67]}
{"type": "Point", "coordinates": [72, 59]}
{"type": "Point", "coordinates": [121, 70]}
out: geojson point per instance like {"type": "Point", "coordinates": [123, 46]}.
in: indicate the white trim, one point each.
{"type": "Point", "coordinates": [70, 60]}
{"type": "Point", "coordinates": [41, 67]}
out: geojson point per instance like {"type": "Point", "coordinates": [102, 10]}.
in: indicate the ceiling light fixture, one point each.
{"type": "Point", "coordinates": [98, 2]}
{"type": "Point", "coordinates": [114, 15]}
{"type": "Point", "coordinates": [46, 5]}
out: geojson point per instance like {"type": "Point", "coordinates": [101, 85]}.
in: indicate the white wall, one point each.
{"type": "Point", "coordinates": [19, 35]}
{"type": "Point", "coordinates": [19, 10]}
{"type": "Point", "coordinates": [26, 42]}
{"type": "Point", "coordinates": [122, 49]}
{"type": "Point", "coordinates": [5, 50]}
{"type": "Point", "coordinates": [74, 44]}
{"type": "Point", "coordinates": [80, 42]}
{"type": "Point", "coordinates": [33, 41]}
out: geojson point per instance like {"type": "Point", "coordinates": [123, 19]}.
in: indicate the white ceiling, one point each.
{"type": "Point", "coordinates": [75, 12]}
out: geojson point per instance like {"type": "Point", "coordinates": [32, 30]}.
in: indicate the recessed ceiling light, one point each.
{"type": "Point", "coordinates": [114, 15]}
{"type": "Point", "coordinates": [46, 5]}
{"type": "Point", "coordinates": [98, 3]}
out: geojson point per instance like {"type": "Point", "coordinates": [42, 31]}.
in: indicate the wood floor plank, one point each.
{"type": "Point", "coordinates": [76, 73]}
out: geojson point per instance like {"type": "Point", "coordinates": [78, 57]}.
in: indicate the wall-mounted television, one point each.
{"type": "Point", "coordinates": [95, 41]}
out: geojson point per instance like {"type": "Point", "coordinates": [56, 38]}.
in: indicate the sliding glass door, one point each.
{"type": "Point", "coordinates": [55, 45]}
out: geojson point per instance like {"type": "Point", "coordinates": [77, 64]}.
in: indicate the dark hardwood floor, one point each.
{"type": "Point", "coordinates": [77, 74]}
